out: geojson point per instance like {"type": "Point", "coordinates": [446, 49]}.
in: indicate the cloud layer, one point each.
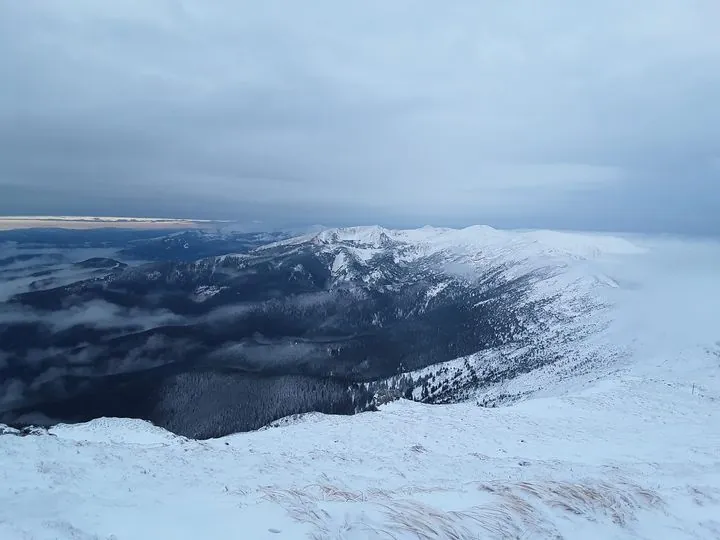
{"type": "Point", "coordinates": [557, 114]}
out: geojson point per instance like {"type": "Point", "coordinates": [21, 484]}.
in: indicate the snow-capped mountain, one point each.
{"type": "Point", "coordinates": [345, 317]}
{"type": "Point", "coordinates": [554, 281]}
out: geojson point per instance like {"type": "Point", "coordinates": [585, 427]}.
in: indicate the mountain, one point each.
{"type": "Point", "coordinates": [578, 376]}
{"type": "Point", "coordinates": [331, 321]}
{"type": "Point", "coordinates": [194, 244]}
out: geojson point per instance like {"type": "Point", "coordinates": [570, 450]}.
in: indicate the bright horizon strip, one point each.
{"type": "Point", "coordinates": [93, 222]}
{"type": "Point", "coordinates": [103, 218]}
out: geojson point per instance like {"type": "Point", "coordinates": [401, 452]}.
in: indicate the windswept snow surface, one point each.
{"type": "Point", "coordinates": [628, 451]}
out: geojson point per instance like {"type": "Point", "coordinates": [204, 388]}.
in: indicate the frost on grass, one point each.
{"type": "Point", "coordinates": [520, 510]}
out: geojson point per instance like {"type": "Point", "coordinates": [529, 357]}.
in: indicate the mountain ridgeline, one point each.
{"type": "Point", "coordinates": [331, 322]}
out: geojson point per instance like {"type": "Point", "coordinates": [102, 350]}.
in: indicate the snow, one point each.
{"type": "Point", "coordinates": [433, 291]}
{"type": "Point", "coordinates": [205, 292]}
{"type": "Point", "coordinates": [474, 246]}
{"type": "Point", "coordinates": [340, 263]}
{"type": "Point", "coordinates": [114, 430]}
{"type": "Point", "coordinates": [628, 448]}
{"type": "Point", "coordinates": [372, 236]}
{"type": "Point", "coordinates": [631, 457]}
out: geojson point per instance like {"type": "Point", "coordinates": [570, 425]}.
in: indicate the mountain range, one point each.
{"type": "Point", "coordinates": [332, 321]}
{"type": "Point", "coordinates": [501, 384]}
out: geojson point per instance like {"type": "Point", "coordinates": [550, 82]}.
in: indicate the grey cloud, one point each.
{"type": "Point", "coordinates": [566, 115]}
{"type": "Point", "coordinates": [54, 264]}
{"type": "Point", "coordinates": [95, 314]}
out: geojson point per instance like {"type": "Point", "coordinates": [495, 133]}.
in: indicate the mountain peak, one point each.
{"type": "Point", "coordinates": [369, 236]}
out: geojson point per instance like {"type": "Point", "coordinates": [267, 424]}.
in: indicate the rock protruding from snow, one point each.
{"type": "Point", "coordinates": [372, 237]}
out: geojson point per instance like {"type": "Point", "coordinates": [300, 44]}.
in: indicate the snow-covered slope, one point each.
{"type": "Point", "coordinates": [626, 447]}
{"type": "Point", "coordinates": [565, 311]}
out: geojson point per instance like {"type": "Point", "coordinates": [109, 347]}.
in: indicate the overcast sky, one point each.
{"type": "Point", "coordinates": [559, 114]}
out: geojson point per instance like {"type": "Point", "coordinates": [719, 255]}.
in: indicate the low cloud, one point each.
{"type": "Point", "coordinates": [94, 314]}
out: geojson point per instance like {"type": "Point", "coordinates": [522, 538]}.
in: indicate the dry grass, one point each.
{"type": "Point", "coordinates": [619, 501]}
{"type": "Point", "coordinates": [300, 506]}
{"type": "Point", "coordinates": [703, 496]}
{"type": "Point", "coordinates": [520, 510]}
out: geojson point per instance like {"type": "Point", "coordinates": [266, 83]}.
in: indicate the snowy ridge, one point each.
{"type": "Point", "coordinates": [475, 238]}
{"type": "Point", "coordinates": [568, 283]}
{"type": "Point", "coordinates": [470, 248]}
{"type": "Point", "coordinates": [115, 431]}
{"type": "Point", "coordinates": [572, 294]}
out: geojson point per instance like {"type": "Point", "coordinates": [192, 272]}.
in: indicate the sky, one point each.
{"type": "Point", "coordinates": [554, 114]}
